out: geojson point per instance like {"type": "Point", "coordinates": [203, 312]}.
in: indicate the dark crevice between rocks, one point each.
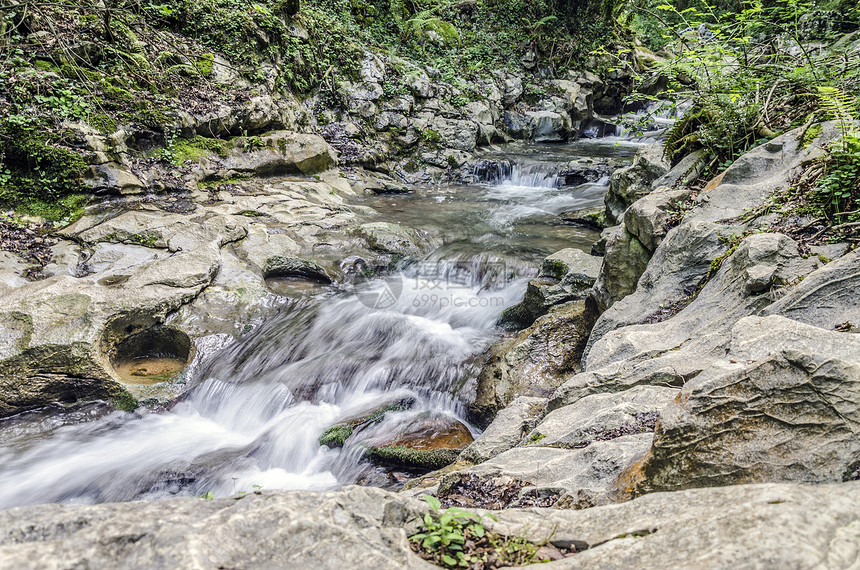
{"type": "Point", "coordinates": [645, 422]}
{"type": "Point", "coordinates": [495, 493]}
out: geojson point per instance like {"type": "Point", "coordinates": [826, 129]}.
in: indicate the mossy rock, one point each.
{"type": "Point", "coordinates": [336, 436]}
{"type": "Point", "coordinates": [433, 28]}
{"type": "Point", "coordinates": [515, 318]}
{"type": "Point", "coordinates": [413, 459]}
{"type": "Point", "coordinates": [205, 64]}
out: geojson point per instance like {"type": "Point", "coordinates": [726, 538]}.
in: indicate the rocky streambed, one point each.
{"type": "Point", "coordinates": [705, 367]}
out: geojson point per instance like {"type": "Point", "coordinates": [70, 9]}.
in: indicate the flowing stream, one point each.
{"type": "Point", "coordinates": [259, 405]}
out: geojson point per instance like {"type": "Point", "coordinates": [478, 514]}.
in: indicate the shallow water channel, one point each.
{"type": "Point", "coordinates": [258, 407]}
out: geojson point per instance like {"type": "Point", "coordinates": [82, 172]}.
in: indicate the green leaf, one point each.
{"type": "Point", "coordinates": [434, 503]}
{"type": "Point", "coordinates": [449, 560]}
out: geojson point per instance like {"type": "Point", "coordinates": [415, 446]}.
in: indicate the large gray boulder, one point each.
{"type": "Point", "coordinates": [564, 276]}
{"type": "Point", "coordinates": [59, 333]}
{"type": "Point", "coordinates": [282, 152]}
{"type": "Point", "coordinates": [509, 427]}
{"type": "Point", "coordinates": [679, 341]}
{"type": "Point", "coordinates": [457, 134]}
{"type": "Point", "coordinates": [575, 478]}
{"type": "Point", "coordinates": [626, 185]}
{"type": "Point", "coordinates": [535, 362]}
{"type": "Point", "coordinates": [624, 261]}
{"type": "Point", "coordinates": [784, 405]}
{"type": "Point", "coordinates": [747, 282]}
{"type": "Point", "coordinates": [647, 217]}
{"type": "Point", "coordinates": [827, 298]}
{"type": "Point", "coordinates": [684, 257]}
{"type": "Point", "coordinates": [602, 417]}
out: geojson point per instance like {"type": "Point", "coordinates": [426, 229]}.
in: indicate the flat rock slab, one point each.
{"type": "Point", "coordinates": [750, 526]}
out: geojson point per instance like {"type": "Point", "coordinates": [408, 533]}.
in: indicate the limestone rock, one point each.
{"type": "Point", "coordinates": [827, 297]}
{"type": "Point", "coordinates": [533, 363]}
{"type": "Point", "coordinates": [626, 185]}
{"type": "Point", "coordinates": [459, 135]}
{"type": "Point", "coordinates": [603, 416]}
{"type": "Point", "coordinates": [580, 478]}
{"type": "Point", "coordinates": [547, 126]}
{"type": "Point", "coordinates": [746, 283]}
{"type": "Point", "coordinates": [646, 218]}
{"type": "Point", "coordinates": [624, 261]}
{"type": "Point", "coordinates": [111, 178]}
{"type": "Point", "coordinates": [394, 239]}
{"type": "Point", "coordinates": [283, 152]}
{"type": "Point", "coordinates": [304, 530]}
{"type": "Point", "coordinates": [509, 427]}
{"type": "Point", "coordinates": [564, 276]}
{"type": "Point", "coordinates": [571, 266]}
{"type": "Point", "coordinates": [792, 414]}
{"type": "Point", "coordinates": [747, 526]}
{"type": "Point", "coordinates": [578, 99]}
{"type": "Point", "coordinates": [63, 328]}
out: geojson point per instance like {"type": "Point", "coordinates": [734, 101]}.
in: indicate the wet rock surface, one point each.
{"type": "Point", "coordinates": [130, 265]}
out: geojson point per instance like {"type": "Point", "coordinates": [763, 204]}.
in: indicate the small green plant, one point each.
{"type": "Point", "coordinates": [535, 437]}
{"type": "Point", "coordinates": [444, 535]}
{"type": "Point", "coordinates": [208, 496]}
{"type": "Point", "coordinates": [456, 538]}
{"type": "Point", "coordinates": [430, 137]}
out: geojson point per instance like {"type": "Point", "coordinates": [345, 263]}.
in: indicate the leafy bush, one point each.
{"type": "Point", "coordinates": [747, 71]}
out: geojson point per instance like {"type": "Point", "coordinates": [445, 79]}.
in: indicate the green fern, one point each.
{"type": "Point", "coordinates": [839, 186]}
{"type": "Point", "coordinates": [683, 134]}
{"type": "Point", "coordinates": [841, 106]}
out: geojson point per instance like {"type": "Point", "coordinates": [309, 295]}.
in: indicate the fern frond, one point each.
{"type": "Point", "coordinates": [840, 105]}
{"type": "Point", "coordinates": [679, 136]}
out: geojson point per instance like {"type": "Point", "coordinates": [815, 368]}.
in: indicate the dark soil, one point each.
{"type": "Point", "coordinates": [498, 551]}
{"type": "Point", "coordinates": [495, 494]}
{"type": "Point", "coordinates": [644, 422]}
{"type": "Point", "coordinates": [30, 241]}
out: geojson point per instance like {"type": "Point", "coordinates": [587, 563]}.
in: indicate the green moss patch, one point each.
{"type": "Point", "coordinates": [336, 436]}
{"type": "Point", "coordinates": [413, 459]}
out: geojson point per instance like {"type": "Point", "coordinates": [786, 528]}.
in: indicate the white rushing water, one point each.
{"type": "Point", "coordinates": [259, 406]}
{"type": "Point", "coordinates": [257, 417]}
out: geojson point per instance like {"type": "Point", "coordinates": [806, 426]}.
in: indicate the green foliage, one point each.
{"type": "Point", "coordinates": [444, 535]}
{"type": "Point", "coordinates": [840, 106]}
{"type": "Point", "coordinates": [38, 168]}
{"type": "Point", "coordinates": [449, 538]}
{"type": "Point", "coordinates": [812, 133]}
{"type": "Point", "coordinates": [744, 91]}
{"type": "Point", "coordinates": [251, 36]}
{"type": "Point", "coordinates": [838, 187]}
{"type": "Point", "coordinates": [430, 137]}
{"type": "Point", "coordinates": [535, 437]}
{"type": "Point", "coordinates": [410, 458]}
{"type": "Point", "coordinates": [124, 401]}
{"type": "Point", "coordinates": [180, 150]}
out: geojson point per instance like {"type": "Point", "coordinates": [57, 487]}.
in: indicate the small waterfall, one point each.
{"type": "Point", "coordinates": [531, 175]}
